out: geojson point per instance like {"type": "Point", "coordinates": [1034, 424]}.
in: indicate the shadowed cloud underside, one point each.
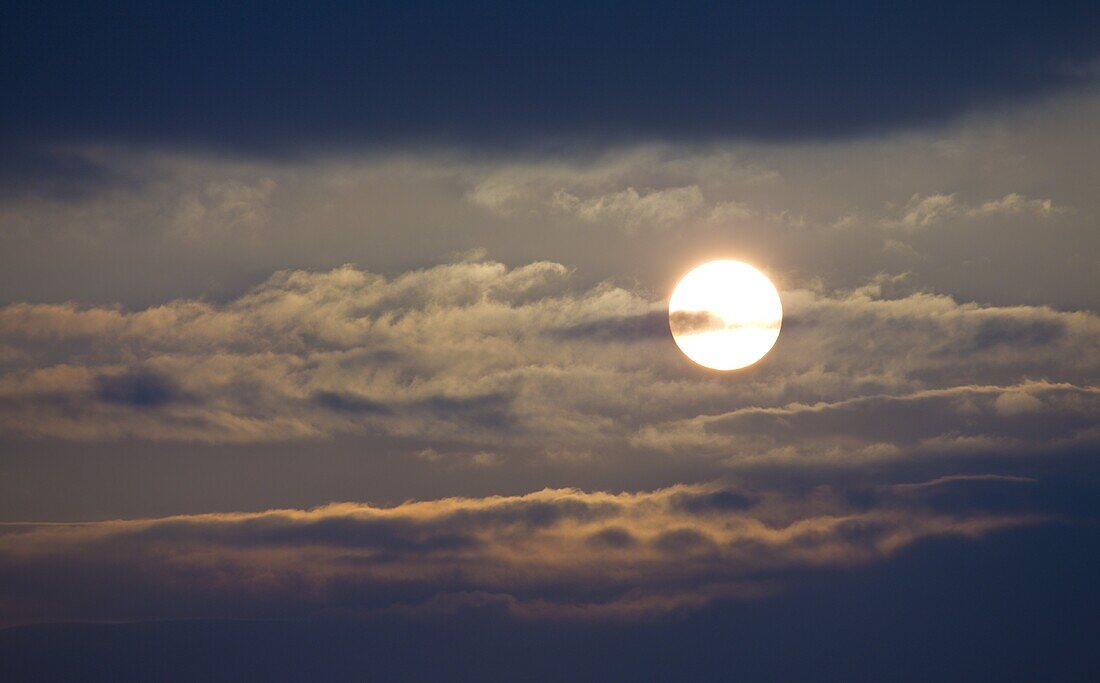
{"type": "Point", "coordinates": [552, 554]}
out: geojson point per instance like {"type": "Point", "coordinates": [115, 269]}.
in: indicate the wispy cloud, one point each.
{"type": "Point", "coordinates": [924, 211]}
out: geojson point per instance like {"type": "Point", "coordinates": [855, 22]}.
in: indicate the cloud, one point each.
{"type": "Point", "coordinates": [1013, 403]}
{"type": "Point", "coordinates": [553, 351]}
{"type": "Point", "coordinates": [552, 554]}
{"type": "Point", "coordinates": [658, 209]}
{"type": "Point", "coordinates": [924, 211]}
{"type": "Point", "coordinates": [223, 206]}
{"type": "Point", "coordinates": [1026, 418]}
{"type": "Point", "coordinates": [899, 248]}
{"type": "Point", "coordinates": [651, 325]}
{"type": "Point", "coordinates": [136, 388]}
{"type": "Point", "coordinates": [694, 322]}
{"type": "Point", "coordinates": [1013, 203]}
{"type": "Point", "coordinates": [195, 224]}
{"type": "Point", "coordinates": [378, 93]}
{"type": "Point", "coordinates": [522, 363]}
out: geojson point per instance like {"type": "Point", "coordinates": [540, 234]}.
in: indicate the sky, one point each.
{"type": "Point", "coordinates": [334, 341]}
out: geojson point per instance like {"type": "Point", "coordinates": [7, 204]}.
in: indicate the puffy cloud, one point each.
{"type": "Point", "coordinates": [923, 211]}
{"type": "Point", "coordinates": [1013, 203]}
{"type": "Point", "coordinates": [550, 554]}
{"type": "Point", "coordinates": [1012, 403]}
{"type": "Point", "coordinates": [476, 358]}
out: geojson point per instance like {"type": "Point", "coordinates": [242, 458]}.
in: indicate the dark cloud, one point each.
{"type": "Point", "coordinates": [350, 403]}
{"type": "Point", "coordinates": [499, 72]}
{"type": "Point", "coordinates": [1011, 332]}
{"type": "Point", "coordinates": [712, 502]}
{"type": "Point", "coordinates": [489, 411]}
{"type": "Point", "coordinates": [1018, 606]}
{"type": "Point", "coordinates": [652, 325]}
{"type": "Point", "coordinates": [683, 542]}
{"type": "Point", "coordinates": [393, 536]}
{"type": "Point", "coordinates": [693, 322]}
{"type": "Point", "coordinates": [613, 537]}
{"type": "Point", "coordinates": [959, 493]}
{"type": "Point", "coordinates": [64, 176]}
{"type": "Point", "coordinates": [139, 389]}
{"type": "Point", "coordinates": [552, 554]}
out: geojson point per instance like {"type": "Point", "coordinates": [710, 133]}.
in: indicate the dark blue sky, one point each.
{"type": "Point", "coordinates": [272, 76]}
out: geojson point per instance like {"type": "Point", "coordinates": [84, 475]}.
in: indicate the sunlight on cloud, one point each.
{"type": "Point", "coordinates": [551, 554]}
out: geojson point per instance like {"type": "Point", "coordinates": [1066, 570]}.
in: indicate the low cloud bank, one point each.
{"type": "Point", "coordinates": [552, 554]}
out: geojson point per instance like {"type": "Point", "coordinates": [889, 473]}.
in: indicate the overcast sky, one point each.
{"type": "Point", "coordinates": [340, 312]}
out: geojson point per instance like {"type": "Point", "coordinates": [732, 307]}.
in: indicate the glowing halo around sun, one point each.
{"type": "Point", "coordinates": [725, 315]}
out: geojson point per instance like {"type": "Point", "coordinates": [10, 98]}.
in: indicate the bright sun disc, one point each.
{"type": "Point", "coordinates": [725, 315]}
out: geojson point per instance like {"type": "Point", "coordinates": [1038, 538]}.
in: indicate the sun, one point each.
{"type": "Point", "coordinates": [725, 315]}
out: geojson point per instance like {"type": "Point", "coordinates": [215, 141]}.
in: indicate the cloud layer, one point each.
{"type": "Point", "coordinates": [551, 554]}
{"type": "Point", "coordinates": [955, 206]}
{"type": "Point", "coordinates": [178, 334]}
{"type": "Point", "coordinates": [497, 73]}
{"type": "Point", "coordinates": [473, 358]}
